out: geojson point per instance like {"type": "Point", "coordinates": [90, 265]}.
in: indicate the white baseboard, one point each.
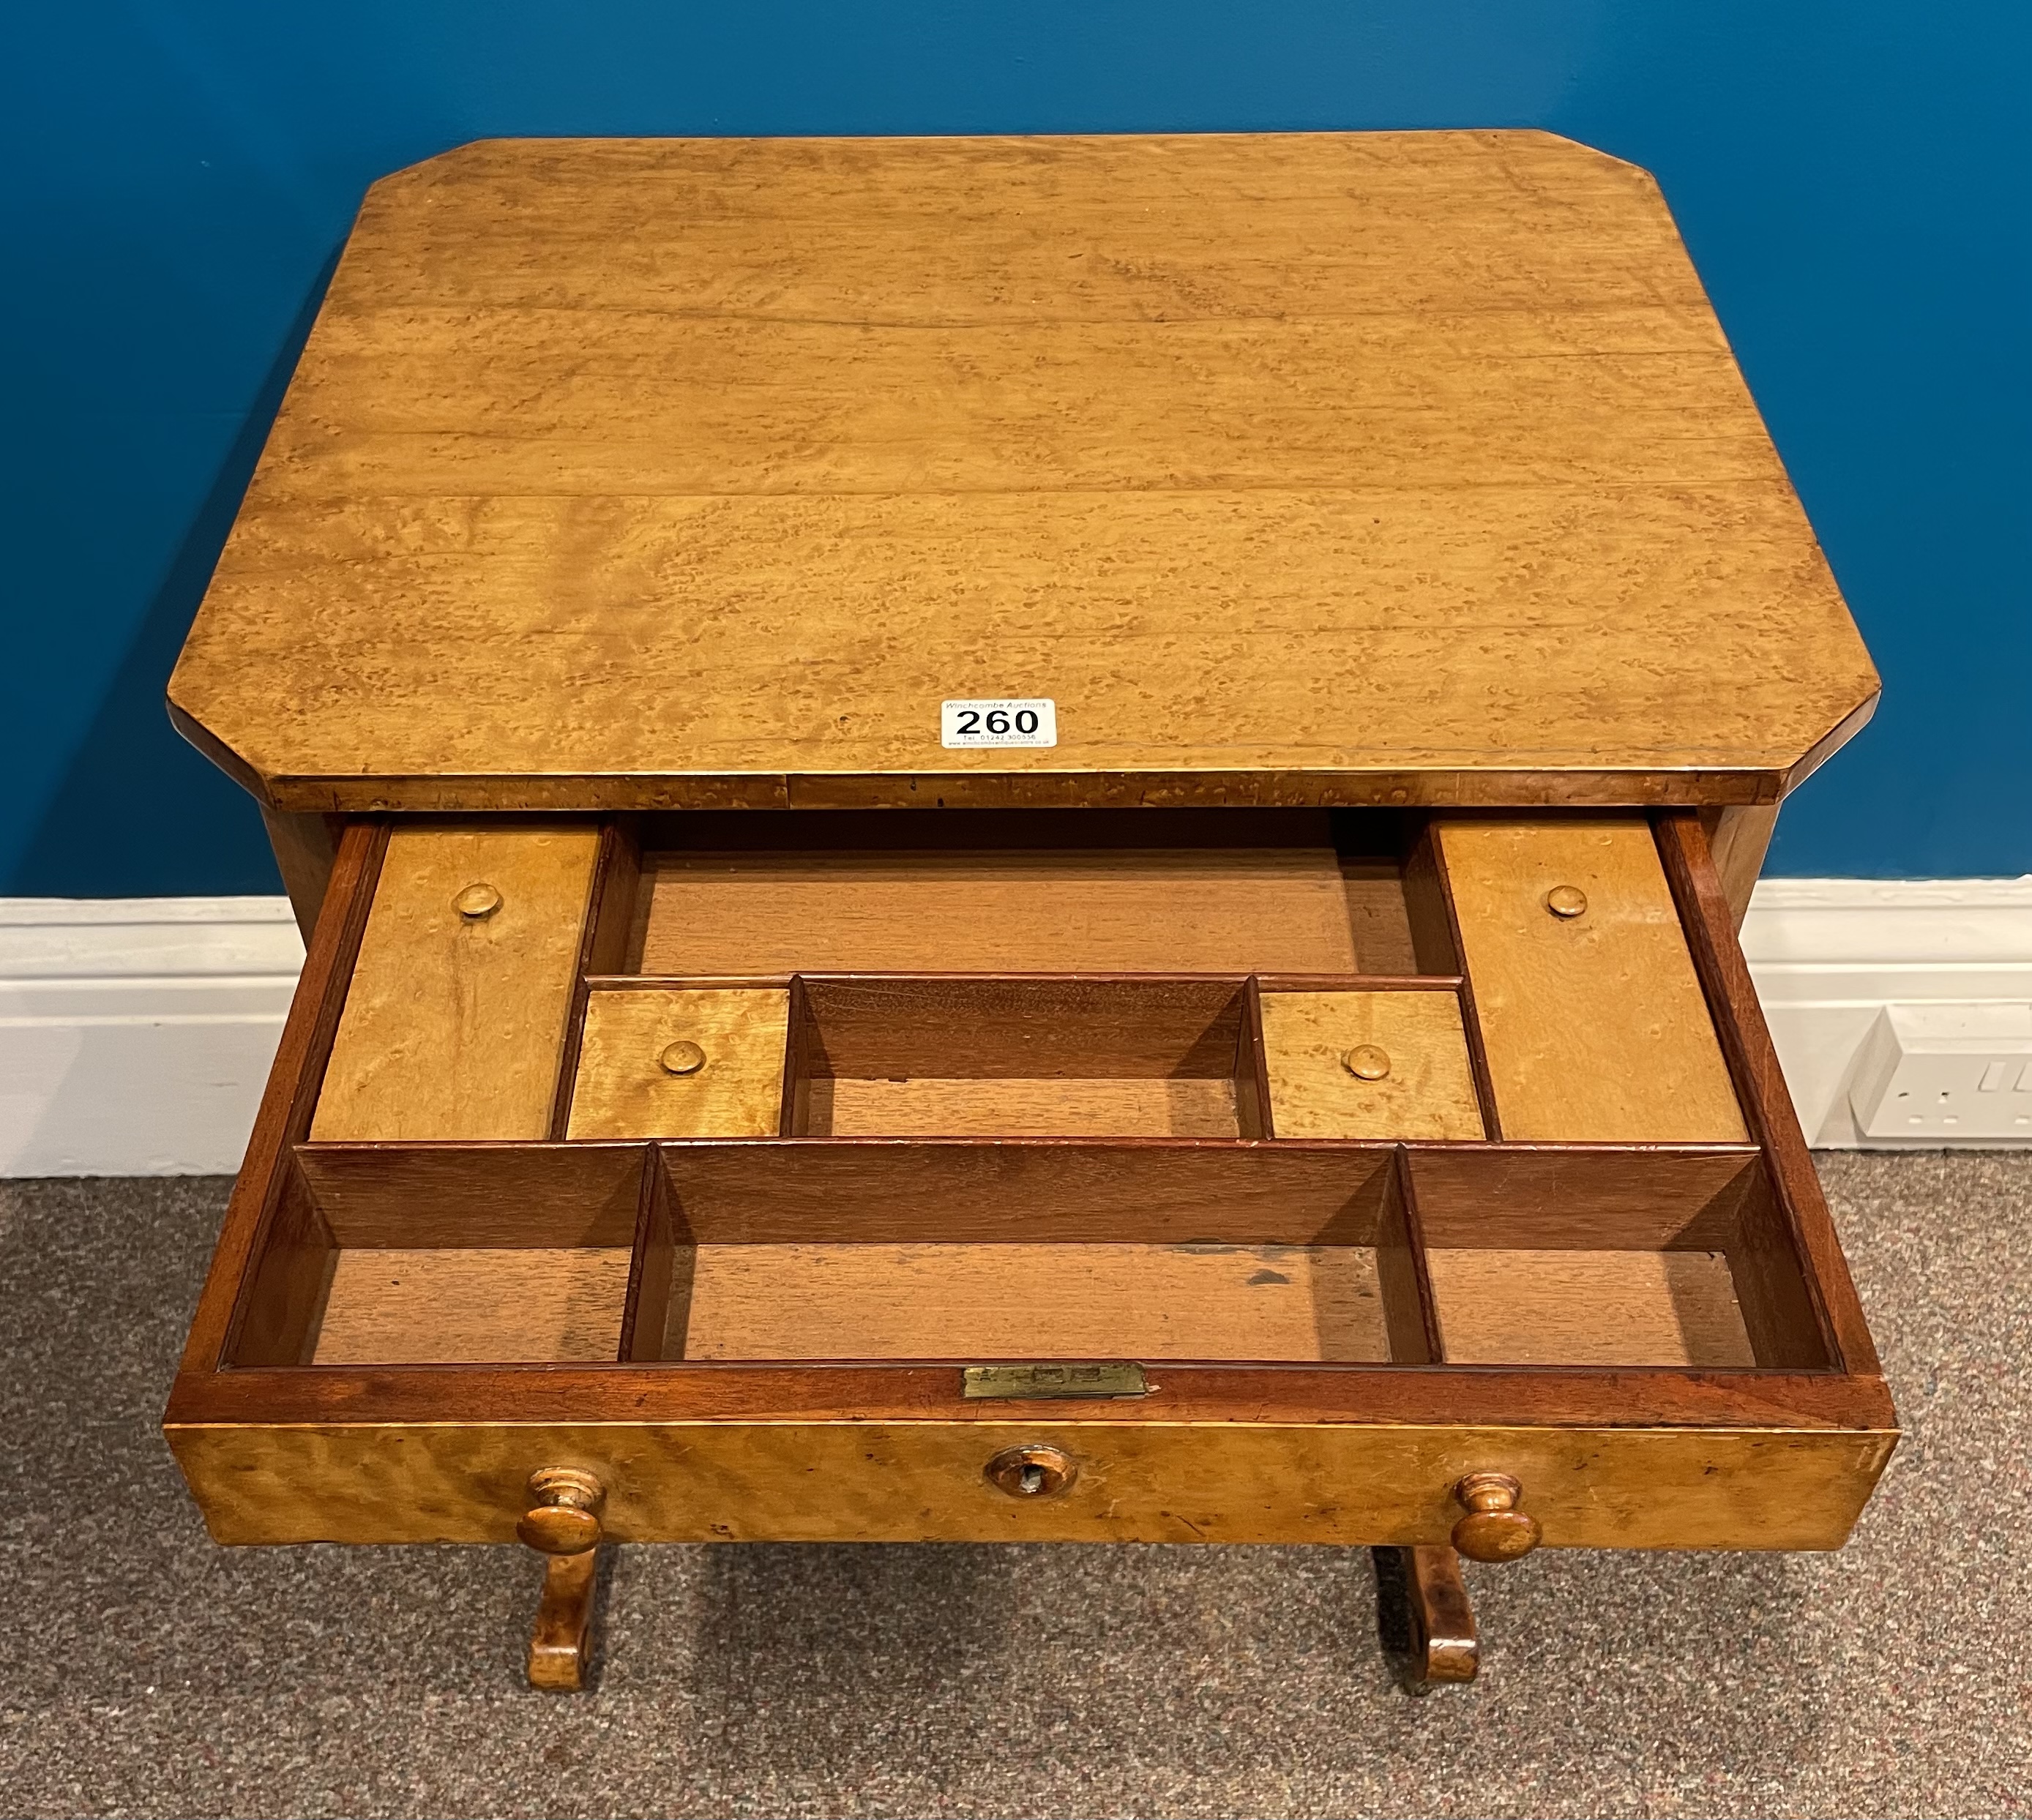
{"type": "Point", "coordinates": [1828, 954]}
{"type": "Point", "coordinates": [135, 1034]}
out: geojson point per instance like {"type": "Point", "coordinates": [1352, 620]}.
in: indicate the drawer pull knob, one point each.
{"type": "Point", "coordinates": [682, 1058]}
{"type": "Point", "coordinates": [1033, 1472]}
{"type": "Point", "coordinates": [477, 902]}
{"type": "Point", "coordinates": [1366, 1062]}
{"type": "Point", "coordinates": [1566, 901]}
{"type": "Point", "coordinates": [1494, 1528]}
{"type": "Point", "coordinates": [563, 1517]}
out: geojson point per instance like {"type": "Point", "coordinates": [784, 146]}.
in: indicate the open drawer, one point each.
{"type": "Point", "coordinates": [1221, 1176]}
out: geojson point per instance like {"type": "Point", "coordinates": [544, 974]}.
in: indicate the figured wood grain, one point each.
{"type": "Point", "coordinates": [1587, 1308]}
{"type": "Point", "coordinates": [1027, 1301]}
{"type": "Point", "coordinates": [1612, 1486]}
{"type": "Point", "coordinates": [1236, 910]}
{"type": "Point", "coordinates": [452, 1026]}
{"type": "Point", "coordinates": [1595, 1026]}
{"type": "Point", "coordinates": [1428, 1091]}
{"type": "Point", "coordinates": [624, 1091]}
{"type": "Point", "coordinates": [928, 1106]}
{"type": "Point", "coordinates": [473, 1306]}
{"type": "Point", "coordinates": [1309, 468]}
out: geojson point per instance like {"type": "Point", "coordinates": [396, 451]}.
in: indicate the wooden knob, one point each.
{"type": "Point", "coordinates": [1494, 1528]}
{"type": "Point", "coordinates": [1033, 1472]}
{"type": "Point", "coordinates": [1366, 1062]}
{"type": "Point", "coordinates": [563, 1517]}
{"type": "Point", "coordinates": [682, 1058]}
{"type": "Point", "coordinates": [477, 902]}
{"type": "Point", "coordinates": [1566, 901]}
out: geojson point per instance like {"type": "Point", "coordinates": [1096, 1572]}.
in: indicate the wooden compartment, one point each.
{"type": "Point", "coordinates": [430, 1255]}
{"type": "Point", "coordinates": [1583, 1255]}
{"type": "Point", "coordinates": [1030, 1057]}
{"type": "Point", "coordinates": [975, 1250]}
{"type": "Point", "coordinates": [1015, 891]}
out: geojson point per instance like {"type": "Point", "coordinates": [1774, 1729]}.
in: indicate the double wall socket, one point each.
{"type": "Point", "coordinates": [1946, 1072]}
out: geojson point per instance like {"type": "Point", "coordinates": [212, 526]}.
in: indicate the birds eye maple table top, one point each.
{"type": "Point", "coordinates": [1319, 469]}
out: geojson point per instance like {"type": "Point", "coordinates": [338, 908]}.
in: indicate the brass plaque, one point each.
{"type": "Point", "coordinates": [1066, 1380]}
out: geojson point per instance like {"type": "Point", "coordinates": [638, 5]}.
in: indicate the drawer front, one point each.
{"type": "Point", "coordinates": [927, 1482]}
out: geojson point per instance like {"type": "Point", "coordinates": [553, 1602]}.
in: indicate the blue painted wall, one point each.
{"type": "Point", "coordinates": [1851, 175]}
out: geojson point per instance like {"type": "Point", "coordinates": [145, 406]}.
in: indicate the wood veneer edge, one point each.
{"type": "Point", "coordinates": [283, 1119]}
{"type": "Point", "coordinates": [594, 793]}
{"type": "Point", "coordinates": [1386, 1395]}
{"type": "Point", "coordinates": [1753, 1061]}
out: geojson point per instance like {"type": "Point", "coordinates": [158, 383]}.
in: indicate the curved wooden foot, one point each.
{"type": "Point", "coordinates": [1423, 1615]}
{"type": "Point", "coordinates": [561, 1646]}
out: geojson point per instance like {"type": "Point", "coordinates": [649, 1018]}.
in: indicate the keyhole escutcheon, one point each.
{"type": "Point", "coordinates": [1037, 1470]}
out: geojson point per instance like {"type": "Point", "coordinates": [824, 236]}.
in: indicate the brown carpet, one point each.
{"type": "Point", "coordinates": [148, 1673]}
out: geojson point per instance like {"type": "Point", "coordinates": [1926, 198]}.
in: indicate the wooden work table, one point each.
{"type": "Point", "coordinates": [1332, 1015]}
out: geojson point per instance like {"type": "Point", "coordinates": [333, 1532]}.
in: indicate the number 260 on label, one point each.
{"type": "Point", "coordinates": [999, 722]}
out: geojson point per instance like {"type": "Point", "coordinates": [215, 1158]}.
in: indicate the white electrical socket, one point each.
{"type": "Point", "coordinates": [1946, 1071]}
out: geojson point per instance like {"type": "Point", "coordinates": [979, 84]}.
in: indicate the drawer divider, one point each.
{"type": "Point", "coordinates": [1406, 1275]}
{"type": "Point", "coordinates": [603, 938]}
{"type": "Point", "coordinates": [1253, 1111]}
{"type": "Point", "coordinates": [1435, 937]}
{"type": "Point", "coordinates": [660, 1273]}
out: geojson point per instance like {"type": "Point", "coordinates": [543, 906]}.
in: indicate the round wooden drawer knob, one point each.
{"type": "Point", "coordinates": [1566, 901]}
{"type": "Point", "coordinates": [477, 902]}
{"type": "Point", "coordinates": [563, 1517]}
{"type": "Point", "coordinates": [682, 1058]}
{"type": "Point", "coordinates": [1366, 1062]}
{"type": "Point", "coordinates": [1033, 1472]}
{"type": "Point", "coordinates": [1494, 1528]}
